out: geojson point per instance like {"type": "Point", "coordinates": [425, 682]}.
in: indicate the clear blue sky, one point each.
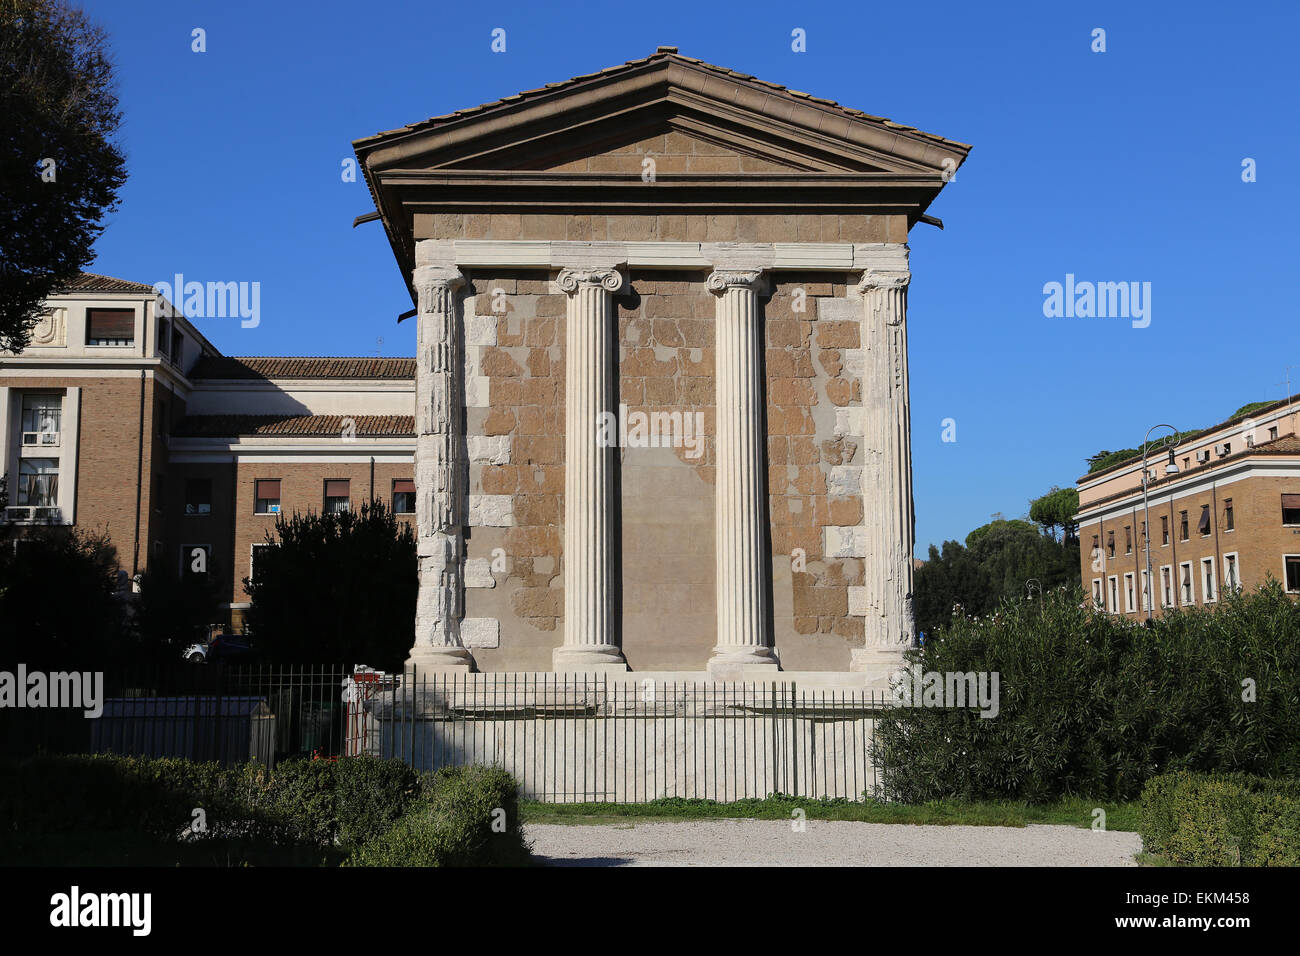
{"type": "Point", "coordinates": [1115, 166]}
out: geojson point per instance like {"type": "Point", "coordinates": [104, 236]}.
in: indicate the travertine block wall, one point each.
{"type": "Point", "coordinates": [514, 382]}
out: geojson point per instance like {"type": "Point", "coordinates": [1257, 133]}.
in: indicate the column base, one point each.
{"type": "Point", "coordinates": [442, 660]}
{"type": "Point", "coordinates": [587, 658]}
{"type": "Point", "coordinates": [742, 661]}
{"type": "Point", "coordinates": [878, 664]}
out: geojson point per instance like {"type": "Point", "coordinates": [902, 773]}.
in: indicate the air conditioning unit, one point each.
{"type": "Point", "coordinates": [44, 439]}
{"type": "Point", "coordinates": [18, 514]}
{"type": "Point", "coordinates": [1223, 449]}
{"type": "Point", "coordinates": [52, 515]}
{"type": "Point", "coordinates": [1203, 455]}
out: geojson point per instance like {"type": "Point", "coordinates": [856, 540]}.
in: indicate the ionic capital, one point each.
{"type": "Point", "coordinates": [609, 279]}
{"type": "Point", "coordinates": [721, 280]}
{"type": "Point", "coordinates": [874, 279]}
{"type": "Point", "coordinates": [435, 288]}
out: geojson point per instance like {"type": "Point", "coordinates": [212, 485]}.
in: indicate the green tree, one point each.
{"type": "Point", "coordinates": [1000, 560]}
{"type": "Point", "coordinates": [1055, 511]}
{"type": "Point", "coordinates": [60, 171]}
{"type": "Point", "coordinates": [336, 588]}
{"type": "Point", "coordinates": [60, 601]}
{"type": "Point", "coordinates": [172, 612]}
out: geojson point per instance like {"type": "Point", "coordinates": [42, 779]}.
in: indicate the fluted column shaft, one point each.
{"type": "Point", "coordinates": [887, 468]}
{"type": "Point", "coordinates": [591, 548]}
{"type": "Point", "coordinates": [439, 440]}
{"type": "Point", "coordinates": [740, 514]}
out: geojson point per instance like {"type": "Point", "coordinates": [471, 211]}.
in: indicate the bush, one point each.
{"type": "Point", "coordinates": [466, 816]}
{"type": "Point", "coordinates": [1094, 705]}
{"type": "Point", "coordinates": [1222, 820]}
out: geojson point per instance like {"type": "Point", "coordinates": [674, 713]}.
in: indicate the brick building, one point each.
{"type": "Point", "coordinates": [1229, 517]}
{"type": "Point", "coordinates": [122, 418]}
{"type": "Point", "coordinates": [658, 419]}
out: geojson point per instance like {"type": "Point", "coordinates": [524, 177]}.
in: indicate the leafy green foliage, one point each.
{"type": "Point", "coordinates": [58, 101]}
{"type": "Point", "coordinates": [1055, 511]}
{"type": "Point", "coordinates": [467, 816]}
{"type": "Point", "coordinates": [336, 588]}
{"type": "Point", "coordinates": [999, 561]}
{"type": "Point", "coordinates": [1230, 819]}
{"type": "Point", "coordinates": [1094, 705]}
{"type": "Point", "coordinates": [59, 601]}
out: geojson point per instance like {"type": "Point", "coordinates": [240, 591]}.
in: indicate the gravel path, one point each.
{"type": "Point", "coordinates": [826, 843]}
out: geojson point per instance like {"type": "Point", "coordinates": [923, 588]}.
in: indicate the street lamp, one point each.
{"type": "Point", "coordinates": [1170, 469]}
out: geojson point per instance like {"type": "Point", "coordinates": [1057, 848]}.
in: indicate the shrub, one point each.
{"type": "Point", "coordinates": [466, 816]}
{"type": "Point", "coordinates": [1222, 820]}
{"type": "Point", "coordinates": [1094, 705]}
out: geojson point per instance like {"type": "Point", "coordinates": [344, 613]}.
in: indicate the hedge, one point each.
{"type": "Point", "coordinates": [467, 816]}
{"type": "Point", "coordinates": [1094, 705]}
{"type": "Point", "coordinates": [346, 804]}
{"type": "Point", "coordinates": [1222, 819]}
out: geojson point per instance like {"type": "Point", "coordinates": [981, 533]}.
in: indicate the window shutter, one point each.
{"type": "Point", "coordinates": [268, 488]}
{"type": "Point", "coordinates": [110, 323]}
{"type": "Point", "coordinates": [403, 486]}
{"type": "Point", "coordinates": [1290, 501]}
{"type": "Point", "coordinates": [336, 488]}
{"type": "Point", "coordinates": [1204, 526]}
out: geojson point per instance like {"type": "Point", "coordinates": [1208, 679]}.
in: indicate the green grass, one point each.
{"type": "Point", "coordinates": [1071, 812]}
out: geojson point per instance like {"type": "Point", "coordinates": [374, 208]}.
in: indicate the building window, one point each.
{"type": "Point", "coordinates": [1128, 592]}
{"type": "Point", "coordinates": [1207, 581]}
{"type": "Point", "coordinates": [38, 482]}
{"type": "Point", "coordinates": [267, 495]}
{"type": "Point", "coordinates": [253, 559]}
{"type": "Point", "coordinates": [1164, 530]}
{"type": "Point", "coordinates": [337, 496]}
{"type": "Point", "coordinates": [1231, 579]}
{"type": "Point", "coordinates": [195, 559]}
{"type": "Point", "coordinates": [1292, 572]}
{"type": "Point", "coordinates": [404, 496]}
{"type": "Point", "coordinates": [159, 492]}
{"type": "Point", "coordinates": [1203, 526]}
{"type": "Point", "coordinates": [42, 420]}
{"type": "Point", "coordinates": [164, 336]}
{"type": "Point", "coordinates": [1098, 599]}
{"type": "Point", "coordinates": [1128, 539]}
{"type": "Point", "coordinates": [1291, 509]}
{"type": "Point", "coordinates": [1114, 593]}
{"type": "Point", "coordinates": [110, 326]}
{"type": "Point", "coordinates": [1166, 586]}
{"type": "Point", "coordinates": [1188, 585]}
{"type": "Point", "coordinates": [1182, 525]}
{"type": "Point", "coordinates": [1229, 520]}
{"type": "Point", "coordinates": [178, 346]}
{"type": "Point", "coordinates": [1110, 544]}
{"type": "Point", "coordinates": [1146, 591]}
{"type": "Point", "coordinates": [198, 496]}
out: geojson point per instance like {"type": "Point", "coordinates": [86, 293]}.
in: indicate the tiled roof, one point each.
{"type": "Point", "coordinates": [1191, 439]}
{"type": "Point", "coordinates": [93, 282]}
{"type": "Point", "coordinates": [663, 53]}
{"type": "Point", "coordinates": [294, 426]}
{"type": "Point", "coordinates": [253, 367]}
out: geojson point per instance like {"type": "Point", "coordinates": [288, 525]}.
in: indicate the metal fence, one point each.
{"type": "Point", "coordinates": [565, 737]}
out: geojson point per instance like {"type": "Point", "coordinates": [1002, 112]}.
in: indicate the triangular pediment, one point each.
{"type": "Point", "coordinates": [697, 117]}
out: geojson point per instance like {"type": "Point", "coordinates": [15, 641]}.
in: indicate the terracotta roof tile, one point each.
{"type": "Point", "coordinates": [288, 366]}
{"type": "Point", "coordinates": [93, 282]}
{"type": "Point", "coordinates": [295, 426]}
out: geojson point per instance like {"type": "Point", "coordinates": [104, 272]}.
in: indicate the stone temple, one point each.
{"type": "Point", "coordinates": [662, 416]}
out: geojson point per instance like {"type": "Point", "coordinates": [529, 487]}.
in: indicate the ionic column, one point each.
{"type": "Point", "coordinates": [888, 528]}
{"type": "Point", "coordinates": [591, 566]}
{"type": "Point", "coordinates": [439, 438]}
{"type": "Point", "coordinates": [740, 520]}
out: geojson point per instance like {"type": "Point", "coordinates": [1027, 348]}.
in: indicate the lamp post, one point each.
{"type": "Point", "coordinates": [1170, 469]}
